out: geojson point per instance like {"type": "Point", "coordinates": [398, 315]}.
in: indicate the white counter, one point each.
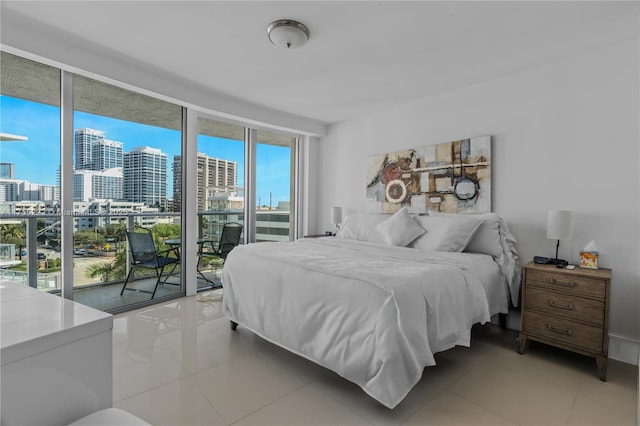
{"type": "Point", "coordinates": [55, 355]}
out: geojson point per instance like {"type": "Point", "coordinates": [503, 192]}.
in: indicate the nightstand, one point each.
{"type": "Point", "coordinates": [568, 309]}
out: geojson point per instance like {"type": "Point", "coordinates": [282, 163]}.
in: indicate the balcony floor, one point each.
{"type": "Point", "coordinates": [106, 297]}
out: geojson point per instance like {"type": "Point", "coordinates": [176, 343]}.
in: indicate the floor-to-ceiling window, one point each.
{"type": "Point", "coordinates": [275, 189]}
{"type": "Point", "coordinates": [118, 154]}
{"type": "Point", "coordinates": [221, 172]}
{"type": "Point", "coordinates": [29, 172]}
{"type": "Point", "coordinates": [124, 144]}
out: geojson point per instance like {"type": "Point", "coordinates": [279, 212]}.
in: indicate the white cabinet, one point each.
{"type": "Point", "coordinates": [56, 358]}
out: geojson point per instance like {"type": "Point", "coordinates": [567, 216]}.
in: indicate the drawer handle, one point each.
{"type": "Point", "coordinates": [564, 283]}
{"type": "Point", "coordinates": [568, 331]}
{"type": "Point", "coordinates": [568, 307]}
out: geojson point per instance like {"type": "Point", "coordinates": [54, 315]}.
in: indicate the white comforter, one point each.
{"type": "Point", "coordinates": [375, 314]}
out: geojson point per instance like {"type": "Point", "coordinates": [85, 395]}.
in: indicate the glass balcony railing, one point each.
{"type": "Point", "coordinates": [30, 252]}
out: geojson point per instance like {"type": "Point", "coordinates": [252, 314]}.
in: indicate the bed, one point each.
{"type": "Point", "coordinates": [376, 302]}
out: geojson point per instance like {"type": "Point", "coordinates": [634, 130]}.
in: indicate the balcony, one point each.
{"type": "Point", "coordinates": [31, 255]}
{"type": "Point", "coordinates": [100, 264]}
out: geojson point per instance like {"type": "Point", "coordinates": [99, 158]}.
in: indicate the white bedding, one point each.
{"type": "Point", "coordinates": [373, 313]}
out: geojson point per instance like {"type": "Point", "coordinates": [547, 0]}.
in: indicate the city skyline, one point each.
{"type": "Point", "coordinates": [37, 159]}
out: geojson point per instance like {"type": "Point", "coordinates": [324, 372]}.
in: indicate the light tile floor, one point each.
{"type": "Point", "coordinates": [178, 363]}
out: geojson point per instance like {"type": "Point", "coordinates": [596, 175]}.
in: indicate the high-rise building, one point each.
{"type": "Point", "coordinates": [145, 176]}
{"type": "Point", "coordinates": [214, 174]}
{"type": "Point", "coordinates": [94, 152]}
{"type": "Point", "coordinates": [91, 184]}
{"type": "Point", "coordinates": [83, 142]}
{"type": "Point", "coordinates": [177, 183]}
{"type": "Point", "coordinates": [103, 157]}
{"type": "Point", "coordinates": [107, 154]}
{"type": "Point", "coordinates": [7, 170]}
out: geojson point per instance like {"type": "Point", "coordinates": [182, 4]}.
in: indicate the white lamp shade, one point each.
{"type": "Point", "coordinates": [336, 215]}
{"type": "Point", "coordinates": [559, 224]}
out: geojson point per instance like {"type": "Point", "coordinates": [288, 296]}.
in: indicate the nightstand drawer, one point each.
{"type": "Point", "coordinates": [567, 282]}
{"type": "Point", "coordinates": [565, 331]}
{"type": "Point", "coordinates": [577, 308]}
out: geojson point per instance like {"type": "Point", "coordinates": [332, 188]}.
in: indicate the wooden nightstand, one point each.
{"type": "Point", "coordinates": [568, 309]}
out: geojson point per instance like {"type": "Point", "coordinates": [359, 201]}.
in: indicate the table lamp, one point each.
{"type": "Point", "coordinates": [559, 227]}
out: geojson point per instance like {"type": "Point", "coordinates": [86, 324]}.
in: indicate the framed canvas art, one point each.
{"type": "Point", "coordinates": [450, 177]}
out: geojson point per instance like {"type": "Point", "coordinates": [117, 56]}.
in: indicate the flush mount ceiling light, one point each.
{"type": "Point", "coordinates": [287, 33]}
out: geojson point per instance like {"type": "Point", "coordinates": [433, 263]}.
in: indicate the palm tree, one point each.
{"type": "Point", "coordinates": [120, 264]}
{"type": "Point", "coordinates": [107, 271]}
{"type": "Point", "coordinates": [104, 271]}
{"type": "Point", "coordinates": [13, 234]}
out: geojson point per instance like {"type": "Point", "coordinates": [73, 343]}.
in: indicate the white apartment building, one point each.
{"type": "Point", "coordinates": [109, 212]}
{"type": "Point", "coordinates": [83, 147]}
{"type": "Point", "coordinates": [94, 152]}
{"type": "Point", "coordinates": [28, 207]}
{"type": "Point", "coordinates": [107, 154]}
{"type": "Point", "coordinates": [145, 176]}
{"type": "Point", "coordinates": [91, 184]}
{"type": "Point", "coordinates": [23, 190]}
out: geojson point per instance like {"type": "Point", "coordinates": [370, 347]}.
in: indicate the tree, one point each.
{"type": "Point", "coordinates": [108, 271]}
{"type": "Point", "coordinates": [116, 230]}
{"type": "Point", "coordinates": [13, 234]}
{"type": "Point", "coordinates": [88, 236]}
{"type": "Point", "coordinates": [105, 271]}
{"type": "Point", "coordinates": [164, 231]}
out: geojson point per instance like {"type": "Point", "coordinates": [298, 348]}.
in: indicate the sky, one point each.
{"type": "Point", "coordinates": [38, 159]}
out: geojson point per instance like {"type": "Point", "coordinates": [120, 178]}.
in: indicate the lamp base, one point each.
{"type": "Point", "coordinates": [560, 263]}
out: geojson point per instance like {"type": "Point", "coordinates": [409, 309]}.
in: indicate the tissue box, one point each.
{"type": "Point", "coordinates": [589, 259]}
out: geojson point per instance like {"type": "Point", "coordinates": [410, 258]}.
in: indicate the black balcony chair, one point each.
{"type": "Point", "coordinates": [144, 255]}
{"type": "Point", "coordinates": [229, 239]}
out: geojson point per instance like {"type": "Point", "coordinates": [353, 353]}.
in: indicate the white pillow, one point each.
{"type": "Point", "coordinates": [487, 238]}
{"type": "Point", "coordinates": [400, 229]}
{"type": "Point", "coordinates": [446, 233]}
{"type": "Point", "coordinates": [361, 227]}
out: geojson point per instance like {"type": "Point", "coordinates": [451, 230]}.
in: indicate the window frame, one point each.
{"type": "Point", "coordinates": [190, 115]}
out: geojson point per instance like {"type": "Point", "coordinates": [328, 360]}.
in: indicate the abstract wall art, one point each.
{"type": "Point", "coordinates": [451, 177]}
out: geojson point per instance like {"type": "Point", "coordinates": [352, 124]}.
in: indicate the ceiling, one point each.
{"type": "Point", "coordinates": [361, 57]}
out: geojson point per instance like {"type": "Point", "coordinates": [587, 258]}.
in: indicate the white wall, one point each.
{"type": "Point", "coordinates": [565, 136]}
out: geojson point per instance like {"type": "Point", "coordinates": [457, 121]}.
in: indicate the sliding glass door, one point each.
{"type": "Point", "coordinates": [123, 145]}
{"type": "Point", "coordinates": [111, 159]}
{"type": "Point", "coordinates": [275, 189]}
{"type": "Point", "coordinates": [29, 173]}
{"type": "Point", "coordinates": [220, 192]}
